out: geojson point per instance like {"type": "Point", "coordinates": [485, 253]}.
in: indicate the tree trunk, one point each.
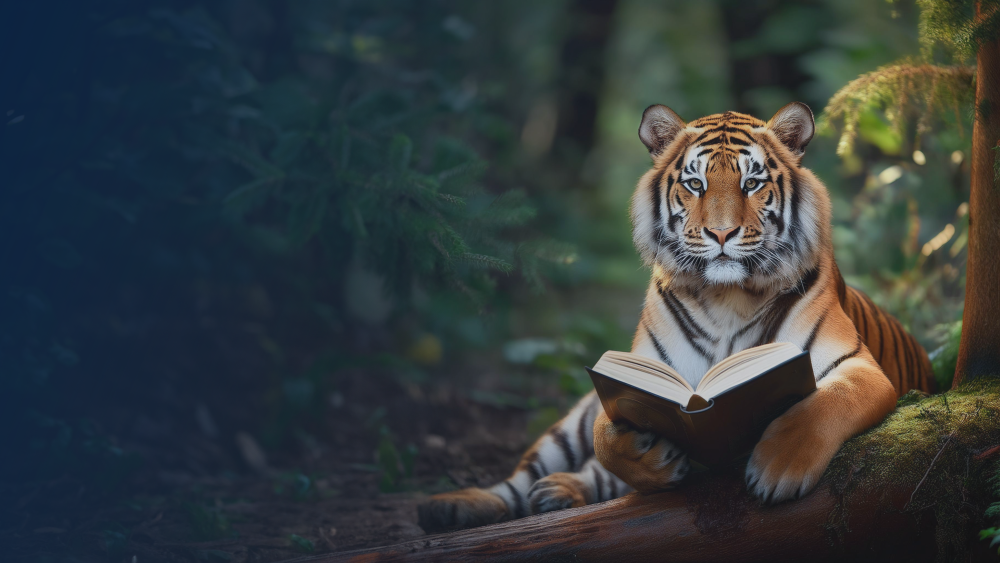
{"type": "Point", "coordinates": [581, 77]}
{"type": "Point", "coordinates": [979, 351]}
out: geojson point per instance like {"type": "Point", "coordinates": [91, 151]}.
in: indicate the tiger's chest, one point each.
{"type": "Point", "coordinates": [693, 358]}
{"type": "Point", "coordinates": [695, 334]}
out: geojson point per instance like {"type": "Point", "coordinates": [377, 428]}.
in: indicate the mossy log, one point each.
{"type": "Point", "coordinates": [913, 488]}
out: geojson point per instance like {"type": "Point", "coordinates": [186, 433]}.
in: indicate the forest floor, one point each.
{"type": "Point", "coordinates": [206, 491]}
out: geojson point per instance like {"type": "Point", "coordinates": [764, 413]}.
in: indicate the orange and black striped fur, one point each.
{"type": "Point", "coordinates": [737, 234]}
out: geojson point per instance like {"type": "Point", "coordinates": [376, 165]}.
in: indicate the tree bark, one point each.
{"type": "Point", "coordinates": [710, 519]}
{"type": "Point", "coordinates": [581, 79]}
{"type": "Point", "coordinates": [979, 350]}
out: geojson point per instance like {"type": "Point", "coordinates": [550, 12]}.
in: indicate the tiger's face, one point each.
{"type": "Point", "coordinates": [726, 202]}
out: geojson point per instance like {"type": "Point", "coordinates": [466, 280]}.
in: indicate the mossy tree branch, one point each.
{"type": "Point", "coordinates": [913, 488]}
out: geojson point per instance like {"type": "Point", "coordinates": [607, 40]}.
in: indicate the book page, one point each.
{"type": "Point", "coordinates": [744, 366]}
{"type": "Point", "coordinates": [646, 374]}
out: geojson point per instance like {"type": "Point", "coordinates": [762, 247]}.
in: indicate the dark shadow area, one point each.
{"type": "Point", "coordinates": [271, 272]}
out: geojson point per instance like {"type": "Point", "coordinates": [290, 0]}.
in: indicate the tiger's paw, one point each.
{"type": "Point", "coordinates": [790, 458]}
{"type": "Point", "coordinates": [645, 461]}
{"type": "Point", "coordinates": [460, 509]}
{"type": "Point", "coordinates": [557, 491]}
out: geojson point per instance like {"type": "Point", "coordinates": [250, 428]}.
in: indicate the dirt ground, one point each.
{"type": "Point", "coordinates": [207, 491]}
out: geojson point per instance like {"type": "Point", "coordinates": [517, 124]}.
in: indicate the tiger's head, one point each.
{"type": "Point", "coordinates": [727, 201]}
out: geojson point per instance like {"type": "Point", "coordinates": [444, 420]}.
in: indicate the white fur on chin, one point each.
{"type": "Point", "coordinates": [725, 272]}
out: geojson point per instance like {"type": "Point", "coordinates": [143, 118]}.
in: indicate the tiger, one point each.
{"type": "Point", "coordinates": [737, 233]}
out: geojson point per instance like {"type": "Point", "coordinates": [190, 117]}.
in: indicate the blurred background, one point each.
{"type": "Point", "coordinates": [273, 270]}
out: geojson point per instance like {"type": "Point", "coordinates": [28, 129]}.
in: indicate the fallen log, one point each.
{"type": "Point", "coordinates": [913, 488]}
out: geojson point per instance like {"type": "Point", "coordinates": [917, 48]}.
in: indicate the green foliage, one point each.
{"type": "Point", "coordinates": [542, 420]}
{"type": "Point", "coordinates": [301, 544]}
{"type": "Point", "coordinates": [945, 23]}
{"type": "Point", "coordinates": [902, 238]}
{"type": "Point", "coordinates": [993, 512]}
{"type": "Point", "coordinates": [992, 534]}
{"type": "Point", "coordinates": [953, 25]}
{"type": "Point", "coordinates": [56, 444]}
{"type": "Point", "coordinates": [919, 90]}
{"type": "Point", "coordinates": [911, 397]}
{"type": "Point", "coordinates": [945, 357]}
{"type": "Point", "coordinates": [395, 466]}
{"type": "Point", "coordinates": [902, 90]}
{"type": "Point", "coordinates": [326, 154]}
{"type": "Point", "coordinates": [298, 486]}
{"type": "Point", "coordinates": [581, 343]}
{"type": "Point", "coordinates": [115, 539]}
{"type": "Point", "coordinates": [206, 523]}
{"type": "Point", "coordinates": [930, 441]}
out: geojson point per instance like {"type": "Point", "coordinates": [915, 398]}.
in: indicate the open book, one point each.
{"type": "Point", "coordinates": [722, 417]}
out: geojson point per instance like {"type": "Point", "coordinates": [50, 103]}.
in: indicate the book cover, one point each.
{"type": "Point", "coordinates": [711, 431]}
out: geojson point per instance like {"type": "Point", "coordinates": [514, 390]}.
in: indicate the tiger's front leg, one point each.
{"type": "Point", "coordinates": [645, 461]}
{"type": "Point", "coordinates": [852, 394]}
{"type": "Point", "coordinates": [558, 471]}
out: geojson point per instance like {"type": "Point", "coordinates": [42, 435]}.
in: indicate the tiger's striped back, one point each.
{"type": "Point", "coordinates": [897, 352]}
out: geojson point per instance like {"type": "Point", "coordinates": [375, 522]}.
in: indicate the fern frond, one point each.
{"type": "Point", "coordinates": [897, 89]}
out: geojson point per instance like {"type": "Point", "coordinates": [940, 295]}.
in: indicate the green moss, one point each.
{"type": "Point", "coordinates": [927, 445]}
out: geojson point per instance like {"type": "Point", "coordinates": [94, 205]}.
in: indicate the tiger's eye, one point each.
{"type": "Point", "coordinates": [750, 184]}
{"type": "Point", "coordinates": [695, 184]}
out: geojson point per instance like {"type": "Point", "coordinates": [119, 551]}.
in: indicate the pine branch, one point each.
{"type": "Point", "coordinates": [463, 173]}
{"type": "Point", "coordinates": [943, 23]}
{"type": "Point", "coordinates": [452, 199]}
{"type": "Point", "coordinates": [489, 262]}
{"type": "Point", "coordinates": [553, 251]}
{"type": "Point", "coordinates": [897, 89]}
{"type": "Point", "coordinates": [508, 209]}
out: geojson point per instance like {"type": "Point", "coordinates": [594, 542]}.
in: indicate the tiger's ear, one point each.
{"type": "Point", "coordinates": [794, 126]}
{"type": "Point", "coordinates": [659, 127]}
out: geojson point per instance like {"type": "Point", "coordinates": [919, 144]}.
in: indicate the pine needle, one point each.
{"type": "Point", "coordinates": [485, 261]}
{"type": "Point", "coordinates": [899, 90]}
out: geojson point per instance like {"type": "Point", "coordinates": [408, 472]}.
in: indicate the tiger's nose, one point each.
{"type": "Point", "coordinates": [723, 234]}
